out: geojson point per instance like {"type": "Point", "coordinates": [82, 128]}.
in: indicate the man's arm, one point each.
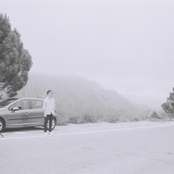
{"type": "Point", "coordinates": [44, 108]}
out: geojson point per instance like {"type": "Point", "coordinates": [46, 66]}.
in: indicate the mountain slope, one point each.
{"type": "Point", "coordinates": [81, 100]}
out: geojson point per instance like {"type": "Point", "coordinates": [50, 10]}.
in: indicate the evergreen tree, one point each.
{"type": "Point", "coordinates": [15, 61]}
{"type": "Point", "coordinates": [168, 106]}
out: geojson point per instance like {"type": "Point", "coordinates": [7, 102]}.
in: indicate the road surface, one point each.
{"type": "Point", "coordinates": [90, 149]}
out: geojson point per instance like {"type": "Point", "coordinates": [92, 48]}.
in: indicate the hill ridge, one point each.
{"type": "Point", "coordinates": [77, 98]}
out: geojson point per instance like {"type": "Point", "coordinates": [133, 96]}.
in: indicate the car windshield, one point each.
{"type": "Point", "coordinates": [7, 102]}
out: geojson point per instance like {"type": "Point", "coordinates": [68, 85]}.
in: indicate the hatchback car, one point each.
{"type": "Point", "coordinates": [23, 112]}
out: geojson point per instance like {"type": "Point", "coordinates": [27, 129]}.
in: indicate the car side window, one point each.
{"type": "Point", "coordinates": [36, 104]}
{"type": "Point", "coordinates": [22, 105]}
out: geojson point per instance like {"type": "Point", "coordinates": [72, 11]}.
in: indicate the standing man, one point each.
{"type": "Point", "coordinates": [49, 110]}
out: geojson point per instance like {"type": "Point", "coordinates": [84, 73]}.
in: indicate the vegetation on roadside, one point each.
{"type": "Point", "coordinates": [79, 100]}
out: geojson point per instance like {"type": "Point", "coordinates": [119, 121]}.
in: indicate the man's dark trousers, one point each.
{"type": "Point", "coordinates": [50, 118]}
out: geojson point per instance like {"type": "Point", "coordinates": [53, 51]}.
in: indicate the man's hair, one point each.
{"type": "Point", "coordinates": [48, 91]}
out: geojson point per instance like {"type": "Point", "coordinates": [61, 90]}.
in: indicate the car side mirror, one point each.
{"type": "Point", "coordinates": [15, 109]}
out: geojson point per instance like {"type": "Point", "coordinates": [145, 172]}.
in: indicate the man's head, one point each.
{"type": "Point", "coordinates": [49, 92]}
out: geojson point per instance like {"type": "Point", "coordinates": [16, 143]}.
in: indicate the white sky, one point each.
{"type": "Point", "coordinates": [126, 45]}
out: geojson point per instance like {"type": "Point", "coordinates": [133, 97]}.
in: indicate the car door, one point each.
{"type": "Point", "coordinates": [18, 118]}
{"type": "Point", "coordinates": [36, 116]}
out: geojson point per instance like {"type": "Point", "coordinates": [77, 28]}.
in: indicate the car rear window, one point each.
{"type": "Point", "coordinates": [36, 104]}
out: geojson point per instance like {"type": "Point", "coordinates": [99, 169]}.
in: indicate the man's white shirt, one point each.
{"type": "Point", "coordinates": [49, 106]}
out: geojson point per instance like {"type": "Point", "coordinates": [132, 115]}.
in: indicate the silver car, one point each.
{"type": "Point", "coordinates": [23, 112]}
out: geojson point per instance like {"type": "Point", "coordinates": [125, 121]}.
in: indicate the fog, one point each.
{"type": "Point", "coordinates": [125, 45]}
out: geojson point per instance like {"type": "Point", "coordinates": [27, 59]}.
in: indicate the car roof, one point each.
{"type": "Point", "coordinates": [14, 98]}
{"type": "Point", "coordinates": [18, 99]}
{"type": "Point", "coordinates": [24, 98]}
{"type": "Point", "coordinates": [27, 98]}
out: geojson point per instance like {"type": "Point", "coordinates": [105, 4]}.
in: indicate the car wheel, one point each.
{"type": "Point", "coordinates": [2, 125]}
{"type": "Point", "coordinates": [53, 124]}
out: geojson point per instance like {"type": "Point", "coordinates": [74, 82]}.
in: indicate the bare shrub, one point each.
{"type": "Point", "coordinates": [87, 118]}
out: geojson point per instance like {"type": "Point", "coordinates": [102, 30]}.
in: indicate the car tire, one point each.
{"type": "Point", "coordinates": [2, 125]}
{"type": "Point", "coordinates": [53, 123]}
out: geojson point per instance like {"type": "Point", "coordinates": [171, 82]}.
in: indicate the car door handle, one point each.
{"type": "Point", "coordinates": [27, 113]}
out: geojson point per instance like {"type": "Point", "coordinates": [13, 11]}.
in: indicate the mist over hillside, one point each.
{"type": "Point", "coordinates": [80, 100]}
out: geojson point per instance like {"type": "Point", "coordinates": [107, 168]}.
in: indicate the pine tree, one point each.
{"type": "Point", "coordinates": [168, 106]}
{"type": "Point", "coordinates": [15, 61]}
